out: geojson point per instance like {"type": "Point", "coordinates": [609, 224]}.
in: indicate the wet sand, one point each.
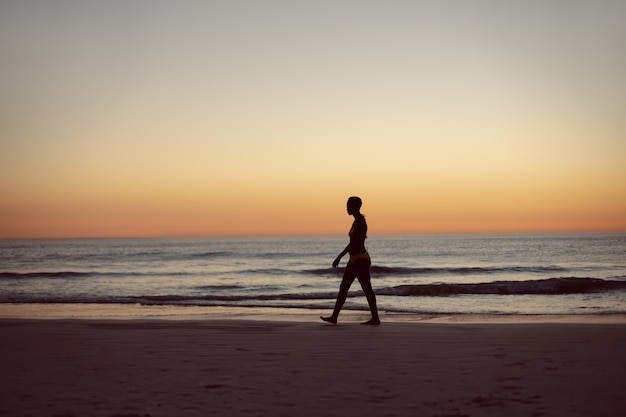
{"type": "Point", "coordinates": [151, 367]}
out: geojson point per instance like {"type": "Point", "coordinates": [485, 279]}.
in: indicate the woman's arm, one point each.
{"type": "Point", "coordinates": [338, 258]}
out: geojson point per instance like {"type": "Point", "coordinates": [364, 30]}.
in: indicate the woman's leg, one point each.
{"type": "Point", "coordinates": [363, 274]}
{"type": "Point", "coordinates": [348, 278]}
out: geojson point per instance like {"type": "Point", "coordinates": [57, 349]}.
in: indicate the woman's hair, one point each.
{"type": "Point", "coordinates": [356, 201]}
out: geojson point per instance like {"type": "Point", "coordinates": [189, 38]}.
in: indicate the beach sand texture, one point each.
{"type": "Point", "coordinates": [261, 368]}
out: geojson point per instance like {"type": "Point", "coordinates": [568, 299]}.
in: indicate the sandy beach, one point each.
{"type": "Point", "coordinates": [149, 367]}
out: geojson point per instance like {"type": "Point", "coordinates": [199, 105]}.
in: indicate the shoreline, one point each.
{"type": "Point", "coordinates": [193, 313]}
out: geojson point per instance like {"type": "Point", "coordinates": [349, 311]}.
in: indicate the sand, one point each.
{"type": "Point", "coordinates": [171, 368]}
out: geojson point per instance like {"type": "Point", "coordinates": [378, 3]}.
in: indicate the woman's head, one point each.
{"type": "Point", "coordinates": [354, 205]}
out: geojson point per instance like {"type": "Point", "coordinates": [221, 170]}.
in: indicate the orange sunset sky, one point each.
{"type": "Point", "coordinates": [192, 118]}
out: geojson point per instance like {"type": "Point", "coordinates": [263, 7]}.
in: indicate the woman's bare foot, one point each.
{"type": "Point", "coordinates": [372, 322]}
{"type": "Point", "coordinates": [330, 319]}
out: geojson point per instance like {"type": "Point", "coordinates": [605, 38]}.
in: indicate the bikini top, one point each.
{"type": "Point", "coordinates": [358, 224]}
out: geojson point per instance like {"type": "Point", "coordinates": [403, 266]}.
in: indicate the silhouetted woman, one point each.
{"type": "Point", "coordinates": [358, 266]}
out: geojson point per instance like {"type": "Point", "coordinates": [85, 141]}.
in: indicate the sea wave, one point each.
{"type": "Point", "coordinates": [403, 271]}
{"type": "Point", "coordinates": [215, 295]}
{"type": "Point", "coordinates": [60, 274]}
{"type": "Point", "coordinates": [550, 286]}
{"type": "Point", "coordinates": [79, 275]}
{"type": "Point", "coordinates": [209, 255]}
{"type": "Point", "coordinates": [376, 270]}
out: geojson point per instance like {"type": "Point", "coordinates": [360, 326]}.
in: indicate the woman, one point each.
{"type": "Point", "coordinates": [358, 266]}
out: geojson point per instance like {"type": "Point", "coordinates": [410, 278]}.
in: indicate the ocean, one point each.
{"type": "Point", "coordinates": [412, 275]}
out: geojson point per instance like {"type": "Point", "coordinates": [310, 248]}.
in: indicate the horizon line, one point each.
{"type": "Point", "coordinates": [296, 235]}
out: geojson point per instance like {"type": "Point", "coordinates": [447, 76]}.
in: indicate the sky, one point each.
{"type": "Point", "coordinates": [216, 118]}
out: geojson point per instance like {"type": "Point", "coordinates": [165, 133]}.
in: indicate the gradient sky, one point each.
{"type": "Point", "coordinates": [197, 118]}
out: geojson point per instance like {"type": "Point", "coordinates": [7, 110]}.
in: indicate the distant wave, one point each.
{"type": "Point", "coordinates": [208, 255]}
{"type": "Point", "coordinates": [376, 271]}
{"type": "Point", "coordinates": [78, 275]}
{"type": "Point", "coordinates": [230, 254]}
{"type": "Point", "coordinates": [384, 270]}
{"type": "Point", "coordinates": [62, 274]}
